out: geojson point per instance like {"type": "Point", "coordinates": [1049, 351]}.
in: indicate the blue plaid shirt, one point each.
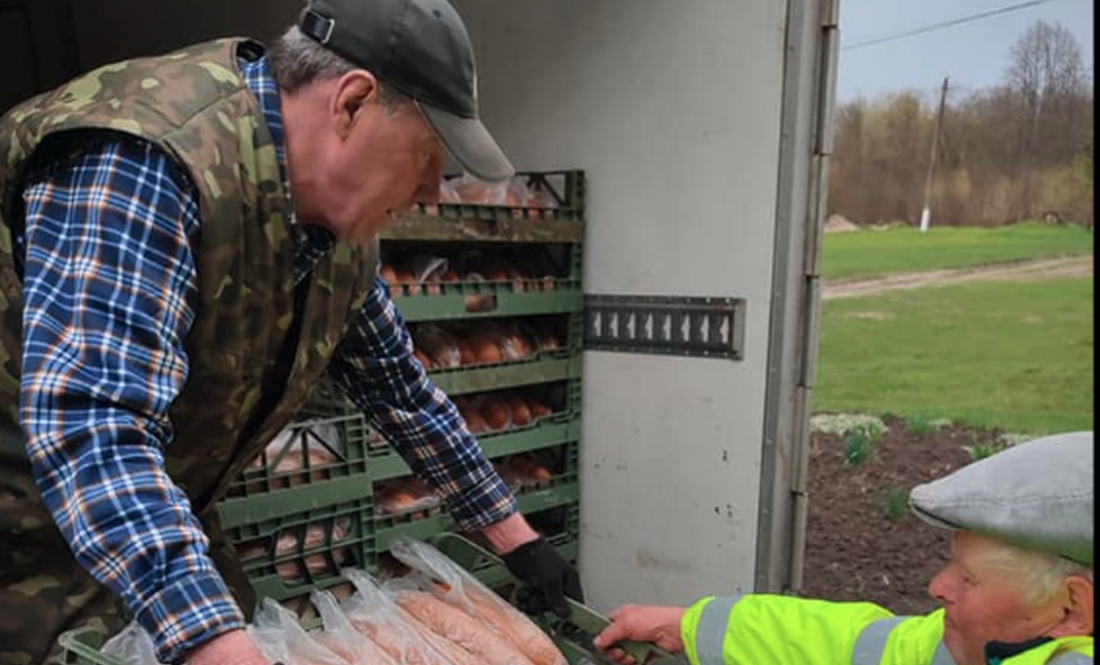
{"type": "Point", "coordinates": [109, 293]}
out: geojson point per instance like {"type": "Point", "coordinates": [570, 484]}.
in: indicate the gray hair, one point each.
{"type": "Point", "coordinates": [298, 61]}
{"type": "Point", "coordinates": [1039, 574]}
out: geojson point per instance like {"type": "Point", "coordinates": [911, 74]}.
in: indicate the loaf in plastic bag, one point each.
{"type": "Point", "coordinates": [131, 645]}
{"type": "Point", "coordinates": [406, 640]}
{"type": "Point", "coordinates": [472, 190]}
{"type": "Point", "coordinates": [342, 638]}
{"type": "Point", "coordinates": [469, 410]}
{"type": "Point", "coordinates": [300, 647]}
{"type": "Point", "coordinates": [480, 639]}
{"type": "Point", "coordinates": [405, 495]}
{"type": "Point", "coordinates": [449, 582]}
{"type": "Point", "coordinates": [438, 345]}
{"type": "Point", "coordinates": [496, 342]}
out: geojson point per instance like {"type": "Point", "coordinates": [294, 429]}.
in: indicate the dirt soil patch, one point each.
{"type": "Point", "coordinates": [1029, 270]}
{"type": "Point", "coordinates": [854, 551]}
{"type": "Point", "coordinates": [839, 224]}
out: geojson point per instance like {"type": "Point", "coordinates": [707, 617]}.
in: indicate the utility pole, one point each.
{"type": "Point", "coordinates": [926, 214]}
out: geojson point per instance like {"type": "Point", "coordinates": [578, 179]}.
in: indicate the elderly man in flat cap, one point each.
{"type": "Point", "coordinates": [1018, 589]}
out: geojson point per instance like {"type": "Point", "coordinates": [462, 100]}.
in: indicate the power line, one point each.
{"type": "Point", "coordinates": [944, 24]}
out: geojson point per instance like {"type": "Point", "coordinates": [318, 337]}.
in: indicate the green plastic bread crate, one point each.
{"type": "Point", "coordinates": [562, 490]}
{"type": "Point", "coordinates": [573, 635]}
{"type": "Point", "coordinates": [466, 300]}
{"type": "Point", "coordinates": [561, 222]}
{"type": "Point", "coordinates": [369, 454]}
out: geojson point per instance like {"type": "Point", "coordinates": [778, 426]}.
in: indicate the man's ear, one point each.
{"type": "Point", "coordinates": [354, 91]}
{"type": "Point", "coordinates": [1077, 604]}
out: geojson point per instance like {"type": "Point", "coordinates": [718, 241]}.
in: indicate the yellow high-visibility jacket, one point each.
{"type": "Point", "coordinates": [753, 629]}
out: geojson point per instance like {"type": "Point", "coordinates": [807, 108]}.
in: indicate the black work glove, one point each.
{"type": "Point", "coordinates": [547, 578]}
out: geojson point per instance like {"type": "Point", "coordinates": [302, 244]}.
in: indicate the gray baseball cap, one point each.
{"type": "Point", "coordinates": [1037, 495]}
{"type": "Point", "coordinates": [421, 48]}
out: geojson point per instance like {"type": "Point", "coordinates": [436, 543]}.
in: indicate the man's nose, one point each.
{"type": "Point", "coordinates": [938, 587]}
{"type": "Point", "coordinates": [428, 191]}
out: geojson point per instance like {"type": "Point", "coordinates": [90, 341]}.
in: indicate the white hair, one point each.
{"type": "Point", "coordinates": [299, 60]}
{"type": "Point", "coordinates": [1040, 574]}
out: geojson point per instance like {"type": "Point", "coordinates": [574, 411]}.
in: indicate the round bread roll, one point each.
{"type": "Point", "coordinates": [538, 409]}
{"type": "Point", "coordinates": [521, 414]}
{"type": "Point", "coordinates": [497, 270]}
{"type": "Point", "coordinates": [423, 358]}
{"type": "Point", "coordinates": [398, 499]}
{"type": "Point", "coordinates": [539, 474]}
{"type": "Point", "coordinates": [549, 342]}
{"type": "Point", "coordinates": [519, 345]}
{"type": "Point", "coordinates": [496, 414]}
{"type": "Point", "coordinates": [523, 463]}
{"type": "Point", "coordinates": [466, 353]}
{"type": "Point", "coordinates": [408, 283]}
{"type": "Point", "coordinates": [387, 273]}
{"type": "Point", "coordinates": [511, 477]}
{"type": "Point", "coordinates": [474, 421]}
{"type": "Point", "coordinates": [485, 349]}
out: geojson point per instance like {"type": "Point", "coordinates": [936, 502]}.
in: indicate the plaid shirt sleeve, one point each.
{"type": "Point", "coordinates": [108, 276]}
{"type": "Point", "coordinates": [376, 369]}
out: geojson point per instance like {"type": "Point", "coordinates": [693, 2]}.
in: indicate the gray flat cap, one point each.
{"type": "Point", "coordinates": [1037, 495]}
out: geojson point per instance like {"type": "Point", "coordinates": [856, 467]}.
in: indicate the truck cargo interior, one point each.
{"type": "Point", "coordinates": [701, 130]}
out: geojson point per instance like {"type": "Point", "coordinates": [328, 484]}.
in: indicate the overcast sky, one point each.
{"type": "Point", "coordinates": [972, 55]}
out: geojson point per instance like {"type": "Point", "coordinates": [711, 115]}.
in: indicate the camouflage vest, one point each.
{"type": "Point", "coordinates": [254, 354]}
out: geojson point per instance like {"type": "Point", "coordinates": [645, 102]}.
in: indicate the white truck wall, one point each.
{"type": "Point", "coordinates": [681, 115]}
{"type": "Point", "coordinates": [673, 109]}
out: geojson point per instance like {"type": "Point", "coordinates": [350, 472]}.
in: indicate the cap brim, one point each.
{"type": "Point", "coordinates": [929, 518]}
{"type": "Point", "coordinates": [470, 143]}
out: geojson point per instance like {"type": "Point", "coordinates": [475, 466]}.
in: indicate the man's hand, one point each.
{"type": "Point", "coordinates": [658, 624]}
{"type": "Point", "coordinates": [534, 561]}
{"type": "Point", "coordinates": [231, 648]}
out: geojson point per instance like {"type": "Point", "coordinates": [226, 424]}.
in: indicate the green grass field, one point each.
{"type": "Point", "coordinates": [869, 253]}
{"type": "Point", "coordinates": [1014, 355]}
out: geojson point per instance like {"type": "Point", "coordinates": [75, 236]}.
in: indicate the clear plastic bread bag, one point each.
{"type": "Point", "coordinates": [342, 637]}
{"type": "Point", "coordinates": [456, 586]}
{"type": "Point", "coordinates": [301, 647]}
{"type": "Point", "coordinates": [438, 344]}
{"type": "Point", "coordinates": [131, 645]}
{"type": "Point", "coordinates": [374, 614]}
{"type": "Point", "coordinates": [473, 639]}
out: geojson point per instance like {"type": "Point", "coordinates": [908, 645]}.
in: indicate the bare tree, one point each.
{"type": "Point", "coordinates": [1048, 75]}
{"type": "Point", "coordinates": [1007, 153]}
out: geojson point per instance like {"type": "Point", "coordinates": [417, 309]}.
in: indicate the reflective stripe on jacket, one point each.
{"type": "Point", "coordinates": [761, 628]}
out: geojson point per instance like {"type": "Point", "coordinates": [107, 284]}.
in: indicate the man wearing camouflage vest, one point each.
{"type": "Point", "coordinates": [188, 247]}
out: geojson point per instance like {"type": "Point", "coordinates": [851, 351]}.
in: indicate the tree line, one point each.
{"type": "Point", "coordinates": [1020, 150]}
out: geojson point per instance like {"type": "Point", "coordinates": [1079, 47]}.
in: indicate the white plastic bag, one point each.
{"type": "Point", "coordinates": [342, 637]}
{"type": "Point", "coordinates": [482, 640]}
{"type": "Point", "coordinates": [271, 642]}
{"type": "Point", "coordinates": [454, 585]}
{"type": "Point", "coordinates": [373, 613]}
{"type": "Point", "coordinates": [131, 645]}
{"type": "Point", "coordinates": [301, 648]}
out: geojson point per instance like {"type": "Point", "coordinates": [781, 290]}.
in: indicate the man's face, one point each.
{"type": "Point", "coordinates": [377, 161]}
{"type": "Point", "coordinates": [984, 601]}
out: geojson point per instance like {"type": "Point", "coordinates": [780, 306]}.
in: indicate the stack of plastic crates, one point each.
{"type": "Point", "coordinates": [322, 498]}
